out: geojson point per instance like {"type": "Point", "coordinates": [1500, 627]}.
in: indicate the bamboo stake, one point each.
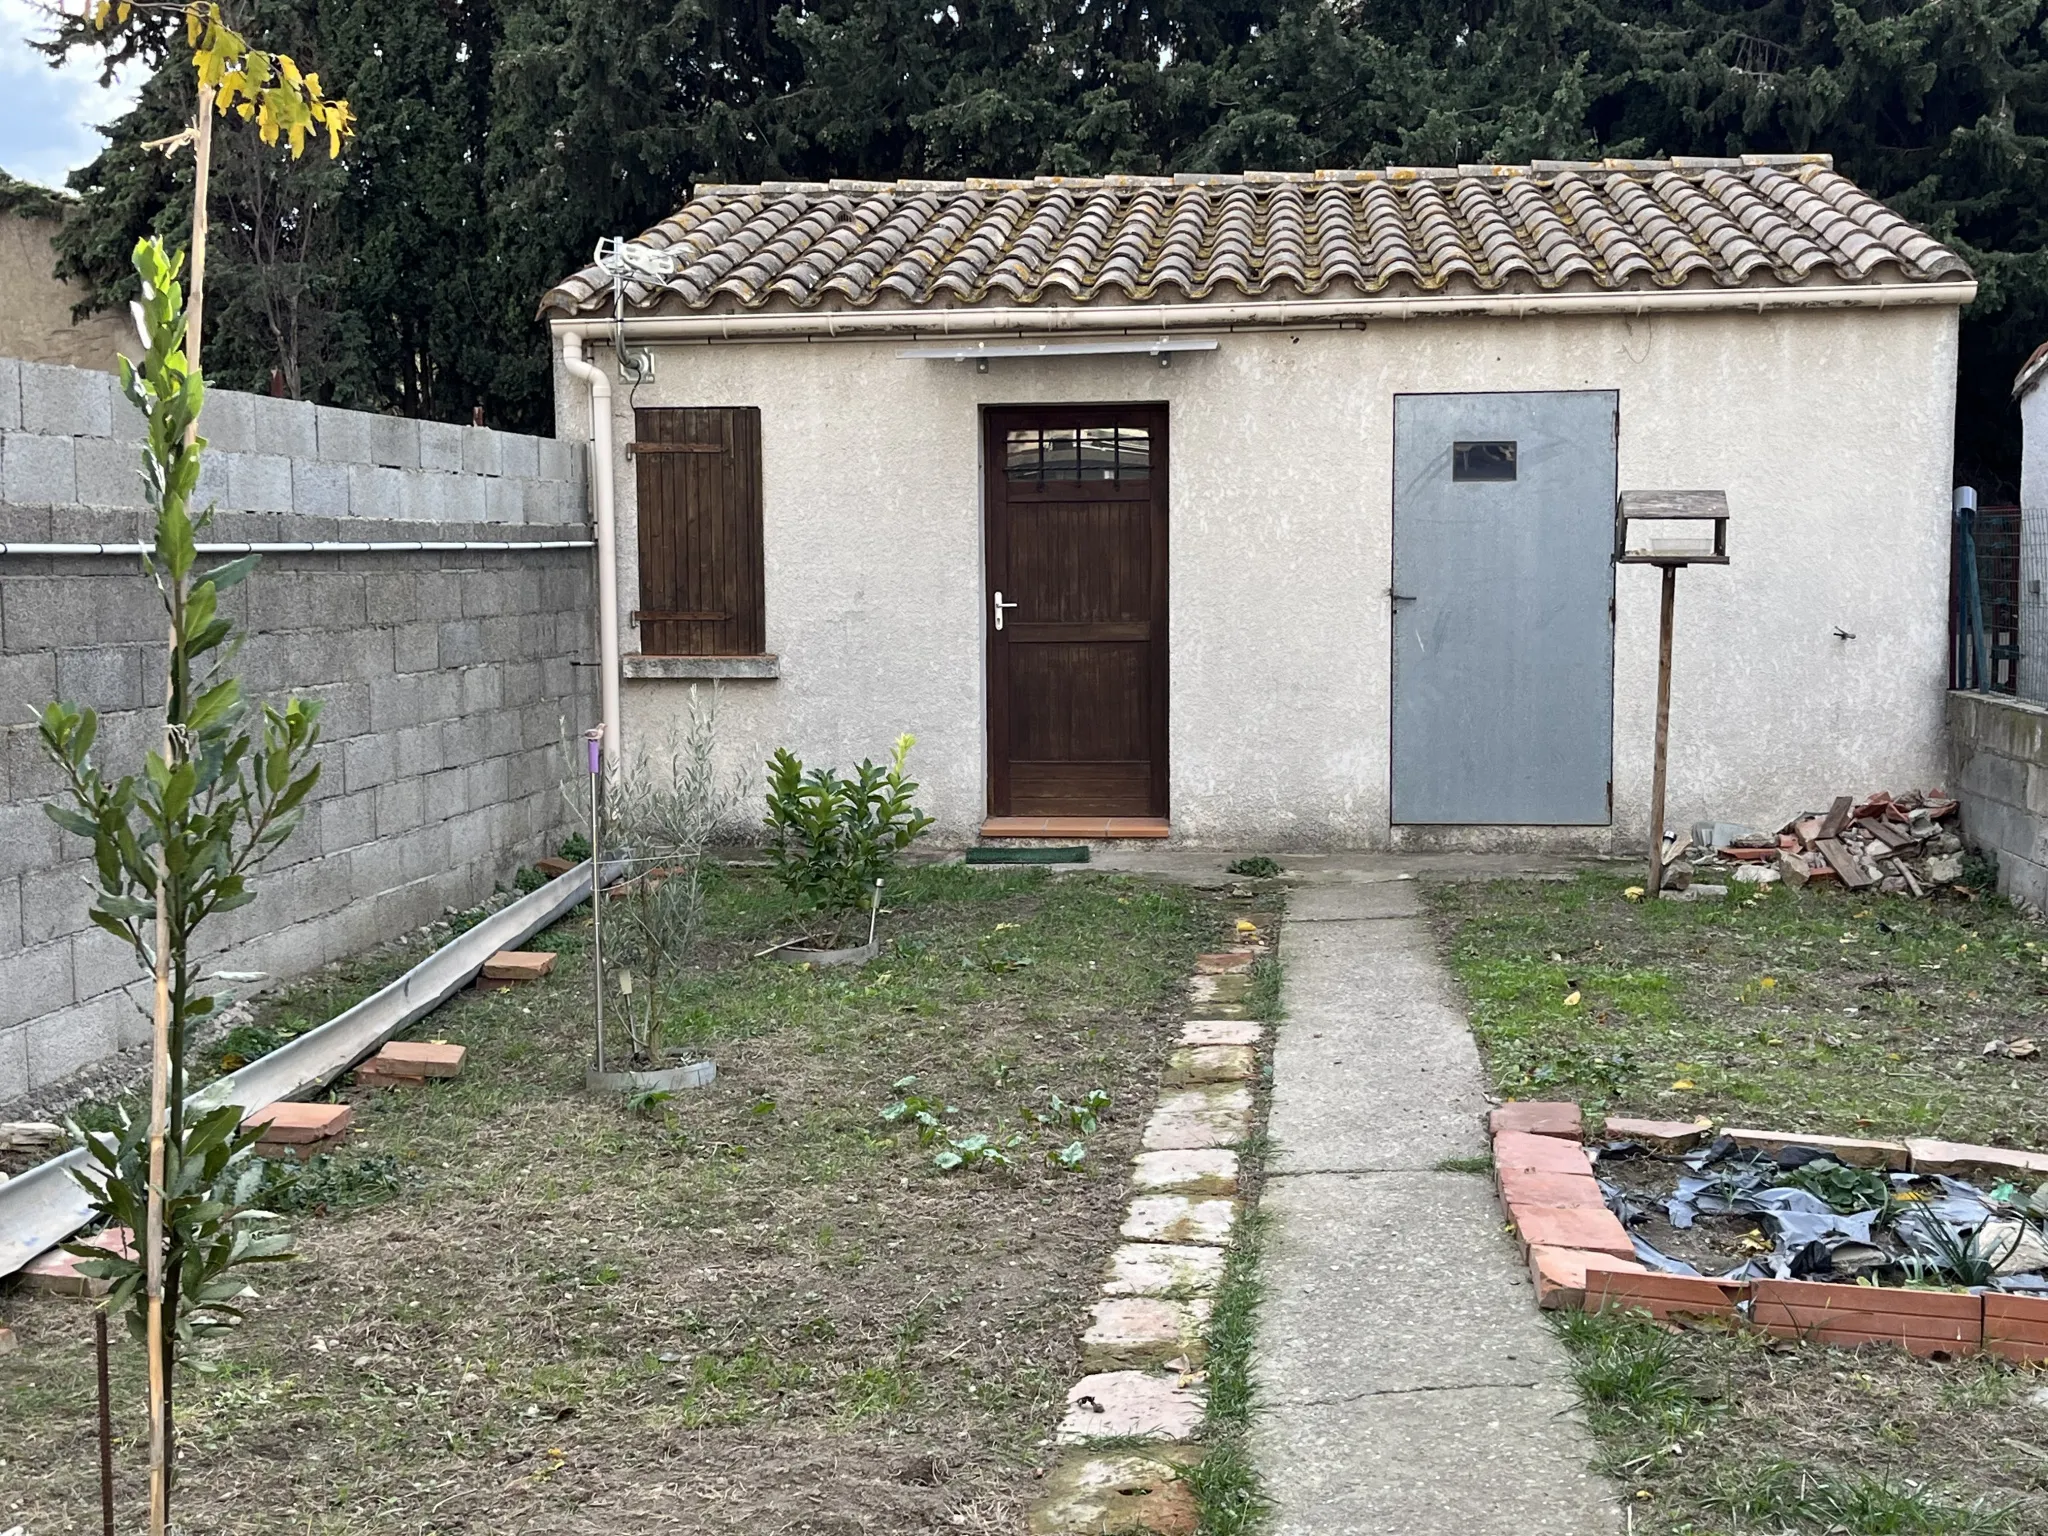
{"type": "Point", "coordinates": [99, 1338]}
{"type": "Point", "coordinates": [159, 1337]}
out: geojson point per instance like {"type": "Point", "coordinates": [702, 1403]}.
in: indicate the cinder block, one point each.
{"type": "Point", "coordinates": [462, 643]}
{"type": "Point", "coordinates": [28, 680]}
{"type": "Point", "coordinates": [440, 445]}
{"type": "Point", "coordinates": [394, 441]}
{"type": "Point", "coordinates": [347, 820]}
{"type": "Point", "coordinates": [228, 421]}
{"type": "Point", "coordinates": [104, 678]}
{"type": "Point", "coordinates": [66, 402]}
{"type": "Point", "coordinates": [446, 794]}
{"type": "Point", "coordinates": [558, 459]}
{"type": "Point", "coordinates": [368, 761]}
{"type": "Point", "coordinates": [212, 488]}
{"type": "Point", "coordinates": [416, 647]}
{"type": "Point", "coordinates": [109, 472]}
{"type": "Point", "coordinates": [260, 482]}
{"type": "Point", "coordinates": [10, 920]}
{"type": "Point", "coordinates": [342, 437]}
{"type": "Point", "coordinates": [480, 452]}
{"type": "Point", "coordinates": [424, 495]}
{"type": "Point", "coordinates": [401, 805]}
{"type": "Point", "coordinates": [285, 427]}
{"type": "Point", "coordinates": [320, 489]}
{"type": "Point", "coordinates": [36, 470]}
{"type": "Point", "coordinates": [101, 963]}
{"type": "Point", "coordinates": [375, 492]}
{"type": "Point", "coordinates": [129, 424]}
{"type": "Point", "coordinates": [418, 749]}
{"type": "Point", "coordinates": [54, 902]}
{"type": "Point", "coordinates": [13, 1063]}
{"type": "Point", "coordinates": [518, 455]}
{"type": "Point", "coordinates": [10, 409]}
{"type": "Point", "coordinates": [35, 982]}
{"type": "Point", "coordinates": [463, 499]}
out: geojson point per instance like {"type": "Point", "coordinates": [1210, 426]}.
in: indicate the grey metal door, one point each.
{"type": "Point", "coordinates": [1503, 608]}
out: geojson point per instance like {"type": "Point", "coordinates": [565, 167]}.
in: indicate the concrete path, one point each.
{"type": "Point", "coordinates": [1407, 1385]}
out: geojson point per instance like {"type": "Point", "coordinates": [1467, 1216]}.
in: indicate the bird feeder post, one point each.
{"type": "Point", "coordinates": [1668, 529]}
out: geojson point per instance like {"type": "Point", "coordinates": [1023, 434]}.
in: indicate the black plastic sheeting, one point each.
{"type": "Point", "coordinates": [1811, 1238]}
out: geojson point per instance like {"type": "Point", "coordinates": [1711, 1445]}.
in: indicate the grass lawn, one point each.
{"type": "Point", "coordinates": [753, 1308]}
{"type": "Point", "coordinates": [1809, 1010]}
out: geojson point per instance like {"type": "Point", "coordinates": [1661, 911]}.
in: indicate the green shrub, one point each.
{"type": "Point", "coordinates": [831, 839]}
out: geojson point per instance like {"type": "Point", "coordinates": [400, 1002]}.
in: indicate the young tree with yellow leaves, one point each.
{"type": "Point", "coordinates": [189, 1203]}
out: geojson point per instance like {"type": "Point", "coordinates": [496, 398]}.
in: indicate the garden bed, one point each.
{"type": "Point", "coordinates": [1823, 1013]}
{"type": "Point", "coordinates": [755, 1306]}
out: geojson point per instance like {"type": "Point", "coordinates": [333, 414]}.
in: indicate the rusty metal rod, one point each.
{"type": "Point", "coordinates": [99, 1332]}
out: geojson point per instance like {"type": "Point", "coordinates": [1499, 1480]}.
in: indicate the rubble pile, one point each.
{"type": "Point", "coordinates": [1894, 844]}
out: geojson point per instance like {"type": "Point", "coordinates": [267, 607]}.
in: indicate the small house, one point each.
{"type": "Point", "coordinates": [1279, 510]}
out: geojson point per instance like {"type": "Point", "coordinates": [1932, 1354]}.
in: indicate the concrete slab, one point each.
{"type": "Point", "coordinates": [1485, 1461]}
{"type": "Point", "coordinates": [1403, 1282]}
{"type": "Point", "coordinates": [1408, 1386]}
{"type": "Point", "coordinates": [1376, 1067]}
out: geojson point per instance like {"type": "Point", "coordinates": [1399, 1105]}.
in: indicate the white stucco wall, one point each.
{"type": "Point", "coordinates": [1830, 432]}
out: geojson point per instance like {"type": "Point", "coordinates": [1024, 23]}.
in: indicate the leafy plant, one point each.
{"type": "Point", "coordinates": [648, 1100]}
{"type": "Point", "coordinates": [832, 839]}
{"type": "Point", "coordinates": [1951, 1257]}
{"type": "Point", "coordinates": [1843, 1189]}
{"type": "Point", "coordinates": [976, 1152]}
{"type": "Point", "coordinates": [575, 848]}
{"type": "Point", "coordinates": [210, 1209]}
{"type": "Point", "coordinates": [924, 1115]}
{"type": "Point", "coordinates": [244, 1044]}
{"type": "Point", "coordinates": [1257, 867]}
{"type": "Point", "coordinates": [173, 845]}
{"type": "Point", "coordinates": [1082, 1115]}
{"type": "Point", "coordinates": [326, 1184]}
{"type": "Point", "coordinates": [1070, 1157]}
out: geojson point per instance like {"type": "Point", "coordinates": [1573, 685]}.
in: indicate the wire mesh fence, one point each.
{"type": "Point", "coordinates": [1989, 611]}
{"type": "Point", "coordinates": [2030, 606]}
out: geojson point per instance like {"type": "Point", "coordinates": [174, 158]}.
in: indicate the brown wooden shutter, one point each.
{"type": "Point", "coordinates": [698, 470]}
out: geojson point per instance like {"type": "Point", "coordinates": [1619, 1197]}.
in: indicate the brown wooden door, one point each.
{"type": "Point", "coordinates": [1076, 499]}
{"type": "Point", "coordinates": [698, 474]}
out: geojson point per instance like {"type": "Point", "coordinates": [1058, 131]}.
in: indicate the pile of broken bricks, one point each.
{"type": "Point", "coordinates": [1580, 1255]}
{"type": "Point", "coordinates": [1893, 843]}
{"type": "Point", "coordinates": [1144, 1349]}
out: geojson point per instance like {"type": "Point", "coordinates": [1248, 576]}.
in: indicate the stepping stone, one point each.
{"type": "Point", "coordinates": [31, 1136]}
{"type": "Point", "coordinates": [1221, 1032]}
{"type": "Point", "coordinates": [1560, 1274]}
{"type": "Point", "coordinates": [1163, 1269]}
{"type": "Point", "coordinates": [1660, 1135]}
{"type": "Point", "coordinates": [554, 868]}
{"type": "Point", "coordinates": [515, 967]}
{"type": "Point", "coordinates": [1537, 1119]}
{"type": "Point", "coordinates": [1890, 1155]}
{"type": "Point", "coordinates": [1210, 1064]}
{"type": "Point", "coordinates": [1226, 964]}
{"type": "Point", "coordinates": [1220, 989]}
{"type": "Point", "coordinates": [410, 1063]}
{"type": "Point", "coordinates": [1518, 1186]}
{"type": "Point", "coordinates": [1203, 1171]}
{"type": "Point", "coordinates": [1130, 1405]}
{"type": "Point", "coordinates": [1960, 1160]}
{"type": "Point", "coordinates": [56, 1272]}
{"type": "Point", "coordinates": [1086, 1495]}
{"type": "Point", "coordinates": [1177, 1219]}
{"type": "Point", "coordinates": [301, 1131]}
{"type": "Point", "coordinates": [1133, 1333]}
{"type": "Point", "coordinates": [1213, 1116]}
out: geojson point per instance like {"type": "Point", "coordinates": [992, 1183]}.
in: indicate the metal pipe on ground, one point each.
{"type": "Point", "coordinates": [46, 1205]}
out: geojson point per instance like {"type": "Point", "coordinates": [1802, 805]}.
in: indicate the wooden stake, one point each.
{"type": "Point", "coordinates": [99, 1338]}
{"type": "Point", "coordinates": [1663, 730]}
{"type": "Point", "coordinates": [202, 174]}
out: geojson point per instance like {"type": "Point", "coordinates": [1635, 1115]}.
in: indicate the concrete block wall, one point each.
{"type": "Point", "coordinates": [68, 438]}
{"type": "Point", "coordinates": [2000, 748]}
{"type": "Point", "coordinates": [449, 682]}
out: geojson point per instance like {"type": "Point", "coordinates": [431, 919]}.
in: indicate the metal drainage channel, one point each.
{"type": "Point", "coordinates": [44, 1206]}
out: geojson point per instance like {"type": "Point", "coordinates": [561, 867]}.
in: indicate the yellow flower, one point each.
{"type": "Point", "coordinates": [1683, 1084]}
{"type": "Point", "coordinates": [1768, 982]}
{"type": "Point", "coordinates": [1572, 1001]}
{"type": "Point", "coordinates": [1634, 893]}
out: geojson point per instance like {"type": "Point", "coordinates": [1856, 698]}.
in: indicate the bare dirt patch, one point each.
{"type": "Point", "coordinates": [755, 1308]}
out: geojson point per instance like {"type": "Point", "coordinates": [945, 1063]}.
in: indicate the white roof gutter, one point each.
{"type": "Point", "coordinates": [1278, 314]}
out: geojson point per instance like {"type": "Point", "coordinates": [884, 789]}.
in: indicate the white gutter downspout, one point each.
{"type": "Point", "coordinates": [607, 543]}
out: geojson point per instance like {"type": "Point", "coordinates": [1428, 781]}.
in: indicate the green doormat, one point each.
{"type": "Point", "coordinates": [1075, 855]}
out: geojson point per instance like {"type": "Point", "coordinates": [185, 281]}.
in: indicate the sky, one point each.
{"type": "Point", "coordinates": [47, 116]}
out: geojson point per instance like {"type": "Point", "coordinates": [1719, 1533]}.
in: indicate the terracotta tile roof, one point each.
{"type": "Point", "coordinates": [1756, 222]}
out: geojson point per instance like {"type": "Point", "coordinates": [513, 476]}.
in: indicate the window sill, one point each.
{"type": "Point", "coordinates": [700, 668]}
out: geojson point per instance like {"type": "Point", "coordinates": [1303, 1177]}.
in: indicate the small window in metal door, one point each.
{"type": "Point", "coordinates": [1482, 461]}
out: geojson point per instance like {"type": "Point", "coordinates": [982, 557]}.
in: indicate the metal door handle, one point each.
{"type": "Point", "coordinates": [1000, 605]}
{"type": "Point", "coordinates": [1399, 597]}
